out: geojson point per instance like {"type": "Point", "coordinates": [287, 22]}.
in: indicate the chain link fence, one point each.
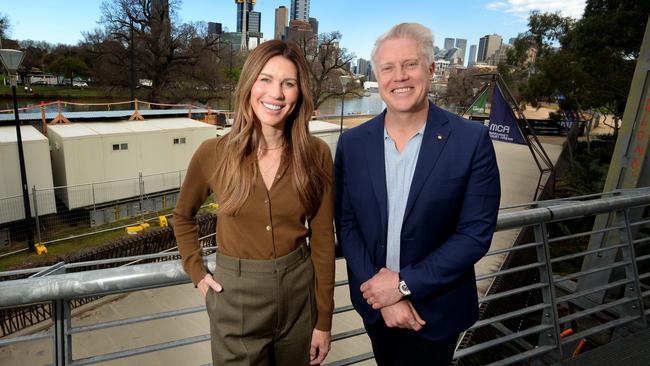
{"type": "Point", "coordinates": [71, 212]}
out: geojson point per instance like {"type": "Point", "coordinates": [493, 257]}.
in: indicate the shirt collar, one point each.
{"type": "Point", "coordinates": [419, 132]}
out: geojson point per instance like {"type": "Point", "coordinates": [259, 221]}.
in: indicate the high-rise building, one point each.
{"type": "Point", "coordinates": [487, 47]}
{"type": "Point", "coordinates": [472, 55]}
{"type": "Point", "coordinates": [214, 28]}
{"type": "Point", "coordinates": [300, 10]}
{"type": "Point", "coordinates": [461, 44]}
{"type": "Point", "coordinates": [314, 25]}
{"type": "Point", "coordinates": [363, 66]}
{"type": "Point", "coordinates": [281, 22]}
{"type": "Point", "coordinates": [300, 32]}
{"type": "Point", "coordinates": [241, 5]}
{"type": "Point", "coordinates": [449, 43]}
{"type": "Point", "coordinates": [254, 22]}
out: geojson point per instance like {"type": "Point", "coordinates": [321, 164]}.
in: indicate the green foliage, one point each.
{"type": "Point", "coordinates": [69, 66]}
{"type": "Point", "coordinates": [583, 64]}
{"type": "Point", "coordinates": [588, 170]}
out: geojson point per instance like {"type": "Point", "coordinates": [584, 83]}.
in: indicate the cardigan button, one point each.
{"type": "Point", "coordinates": [268, 228]}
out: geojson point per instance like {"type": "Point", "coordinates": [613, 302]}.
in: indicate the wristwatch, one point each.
{"type": "Point", "coordinates": [403, 289]}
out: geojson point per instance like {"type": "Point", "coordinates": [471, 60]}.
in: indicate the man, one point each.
{"type": "Point", "coordinates": [416, 205]}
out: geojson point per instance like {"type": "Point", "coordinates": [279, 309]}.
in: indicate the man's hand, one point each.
{"type": "Point", "coordinates": [208, 282]}
{"type": "Point", "coordinates": [320, 346]}
{"type": "Point", "coordinates": [402, 315]}
{"type": "Point", "coordinates": [381, 290]}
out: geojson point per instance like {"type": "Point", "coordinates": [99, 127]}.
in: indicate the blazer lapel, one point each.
{"type": "Point", "coordinates": [436, 135]}
{"type": "Point", "coordinates": [376, 166]}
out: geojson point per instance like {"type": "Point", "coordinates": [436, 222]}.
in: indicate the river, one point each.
{"type": "Point", "coordinates": [371, 104]}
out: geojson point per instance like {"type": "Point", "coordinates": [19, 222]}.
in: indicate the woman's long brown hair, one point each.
{"type": "Point", "coordinates": [237, 171]}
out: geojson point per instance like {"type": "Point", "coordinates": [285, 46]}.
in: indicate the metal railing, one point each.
{"type": "Point", "coordinates": [543, 306]}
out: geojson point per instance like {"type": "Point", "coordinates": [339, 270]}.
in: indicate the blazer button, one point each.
{"type": "Point", "coordinates": [268, 228]}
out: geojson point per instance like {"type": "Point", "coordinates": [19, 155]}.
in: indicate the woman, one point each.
{"type": "Point", "coordinates": [270, 300]}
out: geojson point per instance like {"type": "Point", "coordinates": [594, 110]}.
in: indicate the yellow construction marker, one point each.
{"type": "Point", "coordinates": [40, 248]}
{"type": "Point", "coordinates": [132, 230]}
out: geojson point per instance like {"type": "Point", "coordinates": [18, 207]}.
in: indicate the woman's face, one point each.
{"type": "Point", "coordinates": [275, 92]}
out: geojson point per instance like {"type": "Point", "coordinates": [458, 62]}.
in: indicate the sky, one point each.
{"type": "Point", "coordinates": [360, 22]}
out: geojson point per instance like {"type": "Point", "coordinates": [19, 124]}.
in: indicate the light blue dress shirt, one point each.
{"type": "Point", "coordinates": [400, 168]}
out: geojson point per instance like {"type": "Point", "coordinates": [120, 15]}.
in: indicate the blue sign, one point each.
{"type": "Point", "coordinates": [502, 123]}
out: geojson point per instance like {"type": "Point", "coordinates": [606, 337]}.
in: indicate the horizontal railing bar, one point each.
{"type": "Point", "coordinates": [524, 356]}
{"type": "Point", "coordinates": [512, 249]}
{"type": "Point", "coordinates": [352, 360]}
{"type": "Point", "coordinates": [588, 291]}
{"type": "Point", "coordinates": [644, 276]}
{"type": "Point", "coordinates": [140, 350]}
{"type": "Point", "coordinates": [348, 334]}
{"type": "Point", "coordinates": [588, 252]}
{"type": "Point", "coordinates": [643, 258]}
{"type": "Point", "coordinates": [569, 210]}
{"type": "Point", "coordinates": [640, 223]}
{"type": "Point", "coordinates": [137, 319]}
{"type": "Point", "coordinates": [343, 309]}
{"type": "Point", "coordinates": [591, 271]}
{"type": "Point", "coordinates": [504, 339]}
{"type": "Point", "coordinates": [595, 309]}
{"type": "Point", "coordinates": [597, 329]}
{"type": "Point", "coordinates": [510, 271]}
{"type": "Point", "coordinates": [510, 315]}
{"type": "Point", "coordinates": [641, 241]}
{"type": "Point", "coordinates": [578, 235]}
{"type": "Point", "coordinates": [27, 338]}
{"type": "Point", "coordinates": [515, 291]}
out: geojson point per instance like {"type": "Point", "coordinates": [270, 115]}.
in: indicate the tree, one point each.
{"type": "Point", "coordinates": [160, 48]}
{"type": "Point", "coordinates": [4, 25]}
{"type": "Point", "coordinates": [69, 66]}
{"type": "Point", "coordinates": [327, 61]}
{"type": "Point", "coordinates": [583, 64]}
{"type": "Point", "coordinates": [462, 86]}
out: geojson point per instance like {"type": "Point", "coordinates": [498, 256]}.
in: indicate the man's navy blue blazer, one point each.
{"type": "Point", "coordinates": [449, 220]}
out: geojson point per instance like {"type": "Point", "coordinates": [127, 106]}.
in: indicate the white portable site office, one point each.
{"type": "Point", "coordinates": [38, 170]}
{"type": "Point", "coordinates": [100, 162]}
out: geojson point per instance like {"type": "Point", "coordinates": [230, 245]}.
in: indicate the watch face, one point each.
{"type": "Point", "coordinates": [404, 289]}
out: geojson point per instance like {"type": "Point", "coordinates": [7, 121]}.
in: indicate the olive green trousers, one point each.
{"type": "Point", "coordinates": [266, 312]}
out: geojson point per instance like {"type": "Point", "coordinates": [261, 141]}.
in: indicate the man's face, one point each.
{"type": "Point", "coordinates": [403, 76]}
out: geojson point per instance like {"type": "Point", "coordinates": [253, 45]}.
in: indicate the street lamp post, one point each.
{"type": "Point", "coordinates": [11, 59]}
{"type": "Point", "coordinates": [345, 79]}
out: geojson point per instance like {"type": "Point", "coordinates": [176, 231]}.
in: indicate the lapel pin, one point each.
{"type": "Point", "coordinates": [439, 137]}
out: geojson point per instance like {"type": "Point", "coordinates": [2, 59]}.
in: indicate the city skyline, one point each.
{"type": "Point", "coordinates": [464, 19]}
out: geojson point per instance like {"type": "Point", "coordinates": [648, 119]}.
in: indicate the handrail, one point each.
{"type": "Point", "coordinates": [141, 276]}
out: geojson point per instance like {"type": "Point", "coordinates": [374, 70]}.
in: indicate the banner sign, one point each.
{"type": "Point", "coordinates": [478, 107]}
{"type": "Point", "coordinates": [502, 123]}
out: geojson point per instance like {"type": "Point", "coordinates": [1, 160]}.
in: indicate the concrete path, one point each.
{"type": "Point", "coordinates": [518, 179]}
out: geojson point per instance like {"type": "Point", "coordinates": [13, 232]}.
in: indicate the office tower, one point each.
{"type": "Point", "coordinates": [214, 28]}
{"type": "Point", "coordinates": [241, 5]}
{"type": "Point", "coordinates": [314, 25]}
{"type": "Point", "coordinates": [472, 55]}
{"type": "Point", "coordinates": [281, 22]}
{"type": "Point", "coordinates": [300, 10]}
{"type": "Point", "coordinates": [449, 43]}
{"type": "Point", "coordinates": [254, 22]}
{"type": "Point", "coordinates": [301, 32]}
{"type": "Point", "coordinates": [362, 66]}
{"type": "Point", "coordinates": [487, 47]}
{"type": "Point", "coordinates": [461, 44]}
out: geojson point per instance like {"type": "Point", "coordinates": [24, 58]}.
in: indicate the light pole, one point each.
{"type": "Point", "coordinates": [11, 59]}
{"type": "Point", "coordinates": [345, 79]}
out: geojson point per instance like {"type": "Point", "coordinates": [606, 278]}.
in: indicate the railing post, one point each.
{"type": "Point", "coordinates": [92, 187]}
{"type": "Point", "coordinates": [62, 336]}
{"type": "Point", "coordinates": [549, 315]}
{"type": "Point", "coordinates": [632, 290]}
{"type": "Point", "coordinates": [38, 224]}
{"type": "Point", "coordinates": [141, 181]}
